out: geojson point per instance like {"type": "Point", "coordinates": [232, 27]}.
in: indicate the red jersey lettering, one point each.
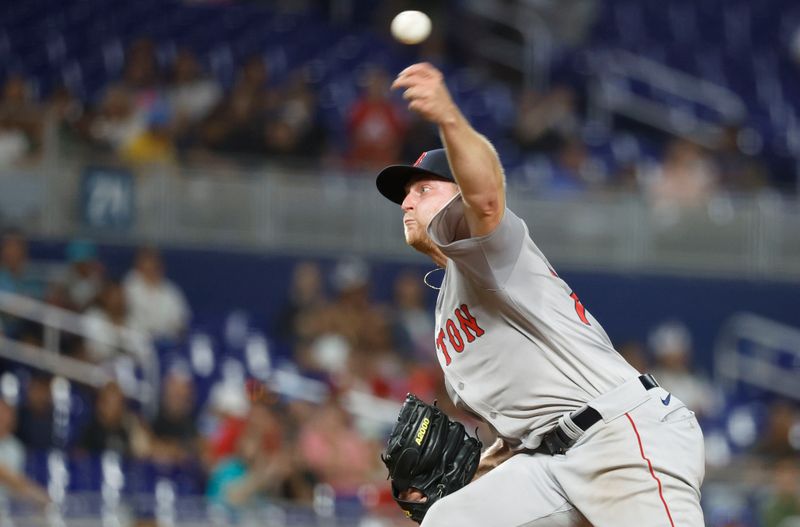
{"type": "Point", "coordinates": [468, 322]}
{"type": "Point", "coordinates": [467, 328]}
{"type": "Point", "coordinates": [440, 344]}
{"type": "Point", "coordinates": [454, 336]}
{"type": "Point", "coordinates": [579, 309]}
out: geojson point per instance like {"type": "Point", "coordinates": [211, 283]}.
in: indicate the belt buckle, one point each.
{"type": "Point", "coordinates": [554, 443]}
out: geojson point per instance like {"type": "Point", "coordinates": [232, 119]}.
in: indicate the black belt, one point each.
{"type": "Point", "coordinates": [557, 441]}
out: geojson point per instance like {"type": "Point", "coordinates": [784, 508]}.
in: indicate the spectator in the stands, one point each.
{"type": "Point", "coordinates": [116, 122]}
{"type": "Point", "coordinates": [110, 326]}
{"type": "Point", "coordinates": [254, 75]}
{"type": "Point", "coordinates": [374, 364]}
{"type": "Point", "coordinates": [344, 326]}
{"type": "Point", "coordinates": [66, 112]}
{"type": "Point", "coordinates": [113, 427]}
{"type": "Point", "coordinates": [634, 353]}
{"type": "Point", "coordinates": [306, 298]}
{"type": "Point", "coordinates": [574, 170]}
{"type": "Point", "coordinates": [231, 471]}
{"type": "Point", "coordinates": [12, 462]}
{"type": "Point", "coordinates": [84, 277]}
{"type": "Point", "coordinates": [15, 274]}
{"type": "Point", "coordinates": [546, 121]}
{"type": "Point", "coordinates": [376, 128]}
{"type": "Point", "coordinates": [781, 508]}
{"type": "Point", "coordinates": [225, 415]}
{"type": "Point", "coordinates": [157, 306]}
{"type": "Point", "coordinates": [154, 144]}
{"type": "Point", "coordinates": [237, 123]}
{"type": "Point", "coordinates": [174, 436]}
{"type": "Point", "coordinates": [14, 145]}
{"type": "Point", "coordinates": [293, 131]}
{"type": "Point", "coordinates": [671, 345]}
{"type": "Point", "coordinates": [57, 295]}
{"type": "Point", "coordinates": [411, 318]}
{"type": "Point", "coordinates": [265, 464]}
{"type": "Point", "coordinates": [739, 169]}
{"type": "Point", "coordinates": [191, 93]}
{"type": "Point", "coordinates": [353, 312]}
{"type": "Point", "coordinates": [12, 451]}
{"type": "Point", "coordinates": [686, 178]}
{"type": "Point", "coordinates": [335, 451]}
{"type": "Point", "coordinates": [35, 414]}
{"type": "Point", "coordinates": [136, 118]}
{"type": "Point", "coordinates": [775, 438]}
{"type": "Point", "coordinates": [140, 75]}
{"type": "Point", "coordinates": [625, 177]}
{"type": "Point", "coordinates": [20, 122]}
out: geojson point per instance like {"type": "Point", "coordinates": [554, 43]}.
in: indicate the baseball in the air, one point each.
{"type": "Point", "coordinates": [411, 27]}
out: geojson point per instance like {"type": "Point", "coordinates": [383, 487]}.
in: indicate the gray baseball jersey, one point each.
{"type": "Point", "coordinates": [518, 348]}
{"type": "Point", "coordinates": [515, 343]}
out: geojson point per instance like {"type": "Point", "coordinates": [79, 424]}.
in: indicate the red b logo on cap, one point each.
{"type": "Point", "coordinates": [419, 160]}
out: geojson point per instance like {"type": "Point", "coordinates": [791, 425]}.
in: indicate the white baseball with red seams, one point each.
{"type": "Point", "coordinates": [411, 27]}
{"type": "Point", "coordinates": [518, 348]}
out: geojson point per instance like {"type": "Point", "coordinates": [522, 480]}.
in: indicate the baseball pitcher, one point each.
{"type": "Point", "coordinates": [581, 433]}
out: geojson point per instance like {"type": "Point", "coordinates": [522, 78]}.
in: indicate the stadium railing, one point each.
{"type": "Point", "coordinates": [757, 352]}
{"type": "Point", "coordinates": [47, 357]}
{"type": "Point", "coordinates": [660, 96]}
{"type": "Point", "coordinates": [295, 211]}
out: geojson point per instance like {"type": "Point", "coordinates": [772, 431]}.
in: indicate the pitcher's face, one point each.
{"type": "Point", "coordinates": [424, 198]}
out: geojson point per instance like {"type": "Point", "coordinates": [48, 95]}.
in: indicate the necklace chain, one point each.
{"type": "Point", "coordinates": [425, 278]}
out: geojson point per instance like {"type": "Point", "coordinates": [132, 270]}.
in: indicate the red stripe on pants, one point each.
{"type": "Point", "coordinates": [652, 472]}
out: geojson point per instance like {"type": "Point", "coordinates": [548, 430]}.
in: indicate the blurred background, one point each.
{"type": "Point", "coordinates": [209, 316]}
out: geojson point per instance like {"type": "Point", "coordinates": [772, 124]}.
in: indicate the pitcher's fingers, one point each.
{"type": "Point", "coordinates": [418, 105]}
{"type": "Point", "coordinates": [415, 92]}
{"type": "Point", "coordinates": [423, 73]}
{"type": "Point", "coordinates": [425, 68]}
{"type": "Point", "coordinates": [408, 80]}
{"type": "Point", "coordinates": [401, 82]}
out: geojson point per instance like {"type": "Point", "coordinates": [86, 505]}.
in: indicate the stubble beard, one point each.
{"type": "Point", "coordinates": [424, 245]}
{"type": "Point", "coordinates": [421, 242]}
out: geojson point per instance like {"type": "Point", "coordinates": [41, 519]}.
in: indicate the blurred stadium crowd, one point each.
{"type": "Point", "coordinates": [205, 102]}
{"type": "Point", "coordinates": [235, 440]}
{"type": "Point", "coordinates": [150, 89]}
{"type": "Point", "coordinates": [240, 443]}
{"type": "Point", "coordinates": [179, 114]}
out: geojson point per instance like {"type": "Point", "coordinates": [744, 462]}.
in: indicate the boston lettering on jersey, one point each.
{"type": "Point", "coordinates": [459, 330]}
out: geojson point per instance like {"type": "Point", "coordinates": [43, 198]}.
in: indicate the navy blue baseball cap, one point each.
{"type": "Point", "coordinates": [393, 179]}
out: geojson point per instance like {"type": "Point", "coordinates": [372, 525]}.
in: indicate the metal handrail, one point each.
{"type": "Point", "coordinates": [612, 66]}
{"type": "Point", "coordinates": [680, 83]}
{"type": "Point", "coordinates": [535, 50]}
{"type": "Point", "coordinates": [55, 320]}
{"type": "Point", "coordinates": [73, 369]}
{"type": "Point", "coordinates": [731, 366]}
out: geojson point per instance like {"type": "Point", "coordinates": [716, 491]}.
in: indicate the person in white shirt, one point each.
{"type": "Point", "coordinates": [111, 327]}
{"type": "Point", "coordinates": [155, 304]}
{"type": "Point", "coordinates": [12, 464]}
{"type": "Point", "coordinates": [671, 345]}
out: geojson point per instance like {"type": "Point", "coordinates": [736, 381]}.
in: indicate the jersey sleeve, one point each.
{"type": "Point", "coordinates": [488, 259]}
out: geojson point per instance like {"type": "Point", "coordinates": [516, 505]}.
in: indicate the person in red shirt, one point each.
{"type": "Point", "coordinates": [375, 125]}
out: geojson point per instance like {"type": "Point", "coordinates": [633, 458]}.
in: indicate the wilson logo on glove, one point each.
{"type": "Point", "coordinates": [429, 453]}
{"type": "Point", "coordinates": [422, 429]}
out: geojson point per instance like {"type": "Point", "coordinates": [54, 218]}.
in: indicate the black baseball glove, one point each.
{"type": "Point", "coordinates": [429, 452]}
